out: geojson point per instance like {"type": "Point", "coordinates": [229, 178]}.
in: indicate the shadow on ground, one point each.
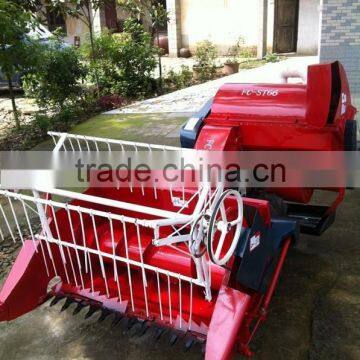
{"type": "Point", "coordinates": [314, 314]}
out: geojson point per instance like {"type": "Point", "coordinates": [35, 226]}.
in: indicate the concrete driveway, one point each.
{"type": "Point", "coordinates": [191, 99]}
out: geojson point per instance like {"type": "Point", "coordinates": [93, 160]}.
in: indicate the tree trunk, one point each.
{"type": "Point", "coordinates": [160, 64]}
{"type": "Point", "coordinates": [12, 97]}
{"type": "Point", "coordinates": [93, 56]}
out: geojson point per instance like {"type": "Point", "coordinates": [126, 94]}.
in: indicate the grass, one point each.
{"type": "Point", "coordinates": [251, 64]}
{"type": "Point", "coordinates": [152, 128]}
{"type": "Point", "coordinates": [109, 126]}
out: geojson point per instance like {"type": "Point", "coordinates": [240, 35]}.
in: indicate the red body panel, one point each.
{"type": "Point", "coordinates": [286, 116]}
{"type": "Point", "coordinates": [260, 102]}
{"type": "Point", "coordinates": [283, 117]}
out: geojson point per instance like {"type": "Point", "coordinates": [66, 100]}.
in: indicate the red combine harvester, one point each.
{"type": "Point", "coordinates": [201, 264]}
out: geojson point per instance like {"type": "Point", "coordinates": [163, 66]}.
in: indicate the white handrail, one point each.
{"type": "Point", "coordinates": [63, 136]}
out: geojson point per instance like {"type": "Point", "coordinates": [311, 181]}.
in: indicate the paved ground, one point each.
{"type": "Point", "coordinates": [191, 99]}
{"type": "Point", "coordinates": [25, 106]}
{"type": "Point", "coordinates": [314, 315]}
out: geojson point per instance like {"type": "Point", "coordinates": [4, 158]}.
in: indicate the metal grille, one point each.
{"type": "Point", "coordinates": [66, 252]}
{"type": "Point", "coordinates": [68, 234]}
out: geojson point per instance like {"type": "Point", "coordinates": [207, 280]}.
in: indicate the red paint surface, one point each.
{"type": "Point", "coordinates": [229, 313]}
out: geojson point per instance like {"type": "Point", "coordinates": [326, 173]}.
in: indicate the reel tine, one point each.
{"type": "Point", "coordinates": [116, 320]}
{"type": "Point", "coordinates": [79, 307]}
{"type": "Point", "coordinates": [159, 333]}
{"type": "Point", "coordinates": [49, 299]}
{"type": "Point", "coordinates": [140, 328]}
{"type": "Point", "coordinates": [56, 299]}
{"type": "Point", "coordinates": [104, 314]}
{"type": "Point", "coordinates": [173, 339]}
{"type": "Point", "coordinates": [145, 326]}
{"type": "Point", "coordinates": [189, 342]}
{"type": "Point", "coordinates": [131, 322]}
{"type": "Point", "coordinates": [92, 310]}
{"type": "Point", "coordinates": [68, 302]}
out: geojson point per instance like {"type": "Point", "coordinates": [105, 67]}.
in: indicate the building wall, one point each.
{"type": "Point", "coordinates": [340, 37]}
{"type": "Point", "coordinates": [308, 26]}
{"type": "Point", "coordinates": [220, 21]}
{"type": "Point", "coordinates": [223, 21]}
{"type": "Point", "coordinates": [75, 27]}
{"type": "Point", "coordinates": [270, 27]}
{"type": "Point", "coordinates": [308, 34]}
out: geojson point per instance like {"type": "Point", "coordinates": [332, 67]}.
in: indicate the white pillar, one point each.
{"type": "Point", "coordinates": [174, 26]}
{"type": "Point", "coordinates": [321, 6]}
{"type": "Point", "coordinates": [99, 20]}
{"type": "Point", "coordinates": [262, 34]}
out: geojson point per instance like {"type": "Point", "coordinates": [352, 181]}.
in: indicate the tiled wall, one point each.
{"type": "Point", "coordinates": [340, 37]}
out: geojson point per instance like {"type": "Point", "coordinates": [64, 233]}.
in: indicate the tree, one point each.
{"type": "Point", "coordinates": [125, 61]}
{"type": "Point", "coordinates": [85, 11]}
{"type": "Point", "coordinates": [30, 5]}
{"type": "Point", "coordinates": [55, 81]}
{"type": "Point", "coordinates": [157, 13]}
{"type": "Point", "coordinates": [159, 18]}
{"type": "Point", "coordinates": [16, 50]}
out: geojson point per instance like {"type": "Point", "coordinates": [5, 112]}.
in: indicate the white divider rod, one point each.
{"type": "Point", "coordinates": [116, 204]}
{"type": "Point", "coordinates": [16, 220]}
{"type": "Point", "coordinates": [169, 297]}
{"type": "Point", "coordinates": [29, 224]}
{"type": "Point", "coordinates": [63, 257]}
{"type": "Point", "coordinates": [46, 227]}
{"type": "Point", "coordinates": [60, 142]}
{"type": "Point", "coordinates": [159, 295]}
{"type": "Point", "coordinates": [116, 275]}
{"type": "Point", "coordinates": [7, 223]}
{"type": "Point", "coordinates": [128, 265]}
{"type": "Point", "coordinates": [76, 251]}
{"type": "Point", "coordinates": [99, 253]}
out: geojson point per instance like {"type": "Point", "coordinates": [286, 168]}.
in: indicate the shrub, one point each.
{"type": "Point", "coordinates": [108, 102]}
{"type": "Point", "coordinates": [271, 57]}
{"type": "Point", "coordinates": [235, 51]}
{"type": "Point", "coordinates": [125, 61]}
{"type": "Point", "coordinates": [205, 53]}
{"type": "Point", "coordinates": [205, 56]}
{"type": "Point", "coordinates": [42, 122]}
{"type": "Point", "coordinates": [55, 80]}
{"type": "Point", "coordinates": [248, 52]}
{"type": "Point", "coordinates": [175, 81]}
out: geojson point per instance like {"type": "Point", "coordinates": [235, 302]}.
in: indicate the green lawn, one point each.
{"type": "Point", "coordinates": [152, 128]}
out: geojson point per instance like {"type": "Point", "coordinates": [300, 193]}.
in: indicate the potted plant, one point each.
{"type": "Point", "coordinates": [231, 65]}
{"type": "Point", "coordinates": [205, 56]}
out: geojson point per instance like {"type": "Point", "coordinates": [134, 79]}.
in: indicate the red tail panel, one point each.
{"type": "Point", "coordinates": [230, 309]}
{"type": "Point", "coordinates": [26, 285]}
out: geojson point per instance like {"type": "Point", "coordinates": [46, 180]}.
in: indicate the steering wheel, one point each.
{"type": "Point", "coordinates": [198, 230]}
{"type": "Point", "coordinates": [219, 250]}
